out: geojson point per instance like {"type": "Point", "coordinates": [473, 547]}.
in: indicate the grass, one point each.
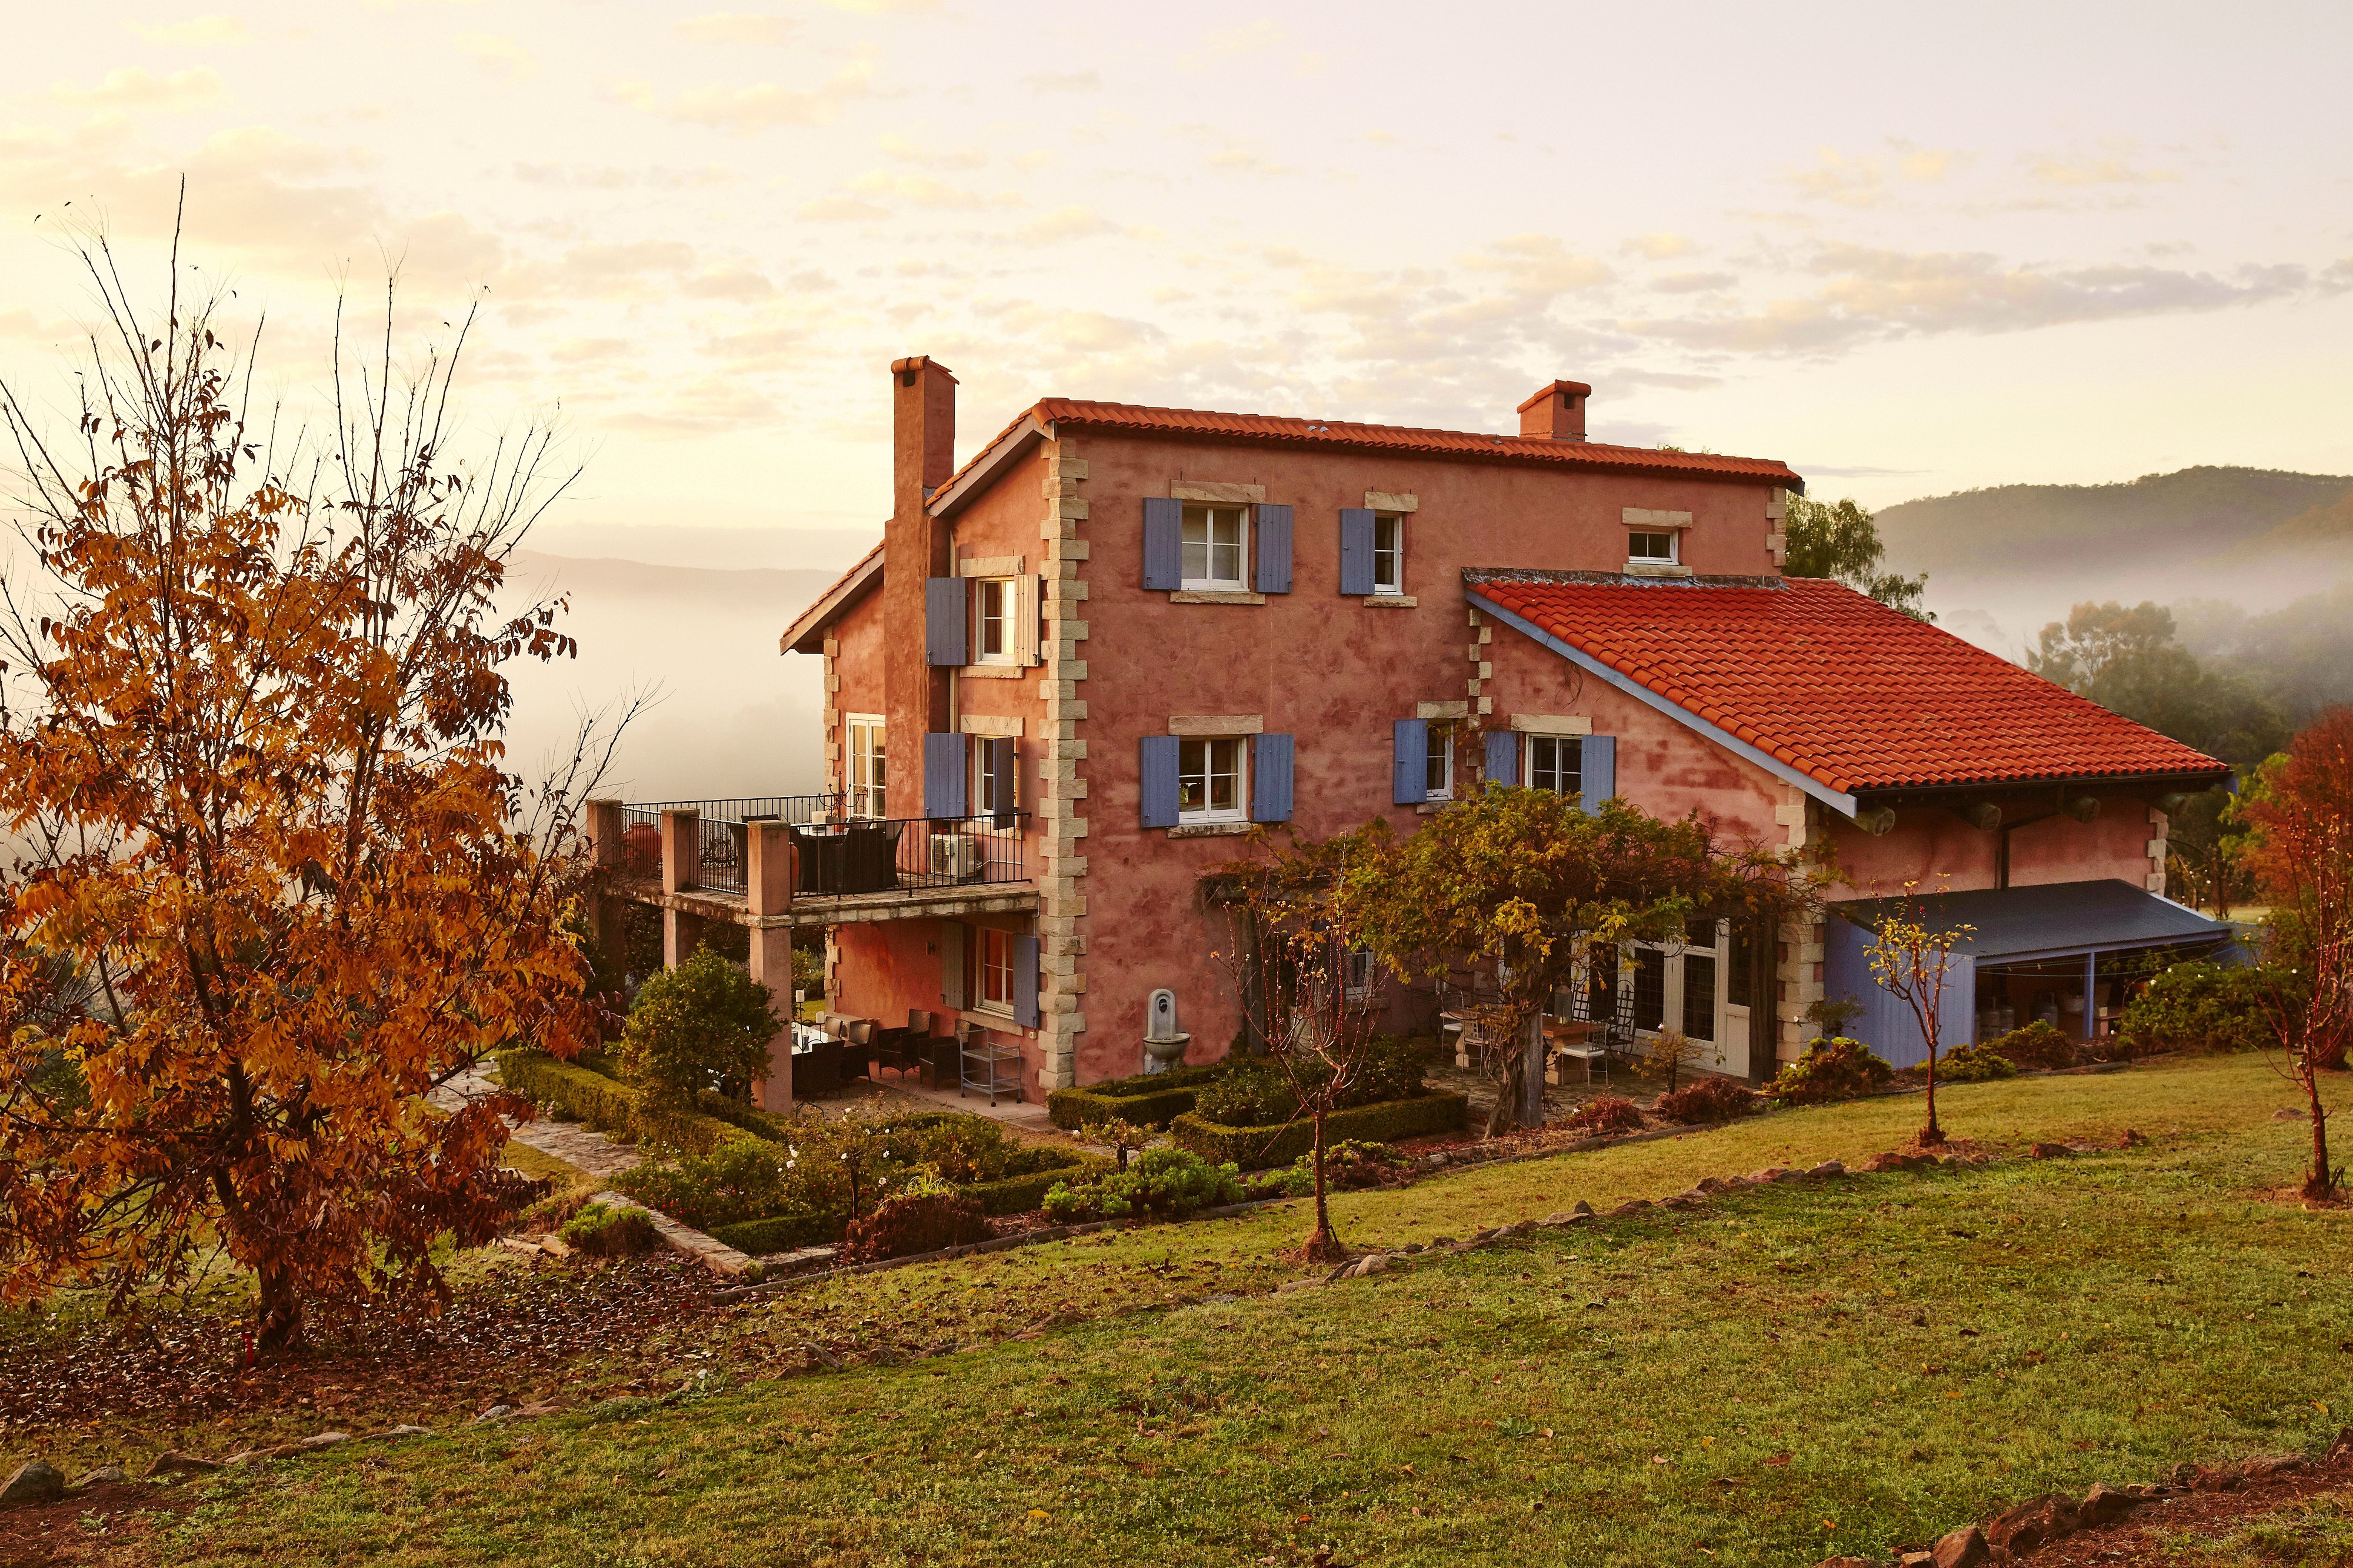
{"type": "Point", "coordinates": [1784, 1374]}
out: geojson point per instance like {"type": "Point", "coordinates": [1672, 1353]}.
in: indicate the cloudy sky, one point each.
{"type": "Point", "coordinates": [1908, 250]}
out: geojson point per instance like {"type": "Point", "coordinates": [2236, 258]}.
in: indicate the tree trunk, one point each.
{"type": "Point", "coordinates": [1505, 1117]}
{"type": "Point", "coordinates": [277, 1326]}
{"type": "Point", "coordinates": [1324, 1246]}
{"type": "Point", "coordinates": [1931, 1136]}
{"type": "Point", "coordinates": [2318, 1184]}
{"type": "Point", "coordinates": [1532, 1075]}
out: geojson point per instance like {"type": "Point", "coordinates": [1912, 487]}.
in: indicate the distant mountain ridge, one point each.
{"type": "Point", "coordinates": [2190, 515]}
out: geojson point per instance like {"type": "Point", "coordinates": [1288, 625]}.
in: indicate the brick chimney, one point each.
{"type": "Point", "coordinates": [914, 547]}
{"type": "Point", "coordinates": [1557, 412]}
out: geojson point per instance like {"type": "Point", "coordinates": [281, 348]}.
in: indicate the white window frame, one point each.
{"type": "Point", "coordinates": [865, 768]}
{"type": "Point", "coordinates": [1001, 590]}
{"type": "Point", "coordinates": [1529, 761]}
{"type": "Point", "coordinates": [984, 781]}
{"type": "Point", "coordinates": [1438, 754]}
{"type": "Point", "coordinates": [993, 960]}
{"type": "Point", "coordinates": [1362, 974]}
{"type": "Point", "coordinates": [1390, 558]}
{"type": "Point", "coordinates": [1239, 811]}
{"type": "Point", "coordinates": [1209, 514]}
{"type": "Point", "coordinates": [1675, 538]}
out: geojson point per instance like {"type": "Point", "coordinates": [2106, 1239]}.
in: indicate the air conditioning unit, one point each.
{"type": "Point", "coordinates": [955, 855]}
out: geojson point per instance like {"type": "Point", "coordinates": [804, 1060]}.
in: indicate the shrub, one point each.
{"type": "Point", "coordinates": [743, 1179]}
{"type": "Point", "coordinates": [1706, 1100]}
{"type": "Point", "coordinates": [1159, 1184]}
{"type": "Point", "coordinates": [552, 1211]}
{"type": "Point", "coordinates": [780, 1233]}
{"type": "Point", "coordinates": [1835, 1068]}
{"type": "Point", "coordinates": [1980, 1063]}
{"type": "Point", "coordinates": [571, 1091]}
{"type": "Point", "coordinates": [2034, 1044]}
{"type": "Point", "coordinates": [703, 1024]}
{"type": "Point", "coordinates": [925, 1218]}
{"type": "Point", "coordinates": [611, 1230]}
{"type": "Point", "coordinates": [1604, 1116]}
{"type": "Point", "coordinates": [1254, 1148]}
{"type": "Point", "coordinates": [2202, 1007]}
{"type": "Point", "coordinates": [1259, 1093]}
{"type": "Point", "coordinates": [1349, 1165]}
{"type": "Point", "coordinates": [1291, 1181]}
{"type": "Point", "coordinates": [1149, 1100]}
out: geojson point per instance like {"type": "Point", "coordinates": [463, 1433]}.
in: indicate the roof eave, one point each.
{"type": "Point", "coordinates": [806, 634]}
{"type": "Point", "coordinates": [985, 470]}
{"type": "Point", "coordinates": [1836, 799]}
{"type": "Point", "coordinates": [2145, 778]}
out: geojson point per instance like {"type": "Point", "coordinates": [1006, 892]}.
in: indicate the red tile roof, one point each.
{"type": "Point", "coordinates": [1840, 687]}
{"type": "Point", "coordinates": [1278, 430]}
{"type": "Point", "coordinates": [801, 636]}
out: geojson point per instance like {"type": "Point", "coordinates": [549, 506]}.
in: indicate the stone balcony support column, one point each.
{"type": "Point", "coordinates": [768, 891]}
{"type": "Point", "coordinates": [681, 869]}
{"type": "Point", "coordinates": [602, 827]}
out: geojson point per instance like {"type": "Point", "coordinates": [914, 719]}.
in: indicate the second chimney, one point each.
{"type": "Point", "coordinates": [1557, 412]}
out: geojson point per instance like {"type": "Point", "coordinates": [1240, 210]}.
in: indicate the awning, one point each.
{"type": "Point", "coordinates": [2052, 920]}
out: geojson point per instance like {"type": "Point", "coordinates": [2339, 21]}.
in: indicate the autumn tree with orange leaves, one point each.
{"type": "Point", "coordinates": [270, 887]}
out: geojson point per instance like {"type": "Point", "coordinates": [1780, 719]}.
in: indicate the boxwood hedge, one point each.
{"type": "Point", "coordinates": [1148, 1099]}
{"type": "Point", "coordinates": [1255, 1148]}
{"type": "Point", "coordinates": [609, 1105]}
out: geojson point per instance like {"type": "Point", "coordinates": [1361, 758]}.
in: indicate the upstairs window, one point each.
{"type": "Point", "coordinates": [1656, 548]}
{"type": "Point", "coordinates": [1216, 547]}
{"type": "Point", "coordinates": [1210, 774]}
{"type": "Point", "coordinates": [993, 621]}
{"type": "Point", "coordinates": [866, 771]}
{"type": "Point", "coordinates": [1555, 763]}
{"type": "Point", "coordinates": [1389, 552]}
{"type": "Point", "coordinates": [1437, 775]}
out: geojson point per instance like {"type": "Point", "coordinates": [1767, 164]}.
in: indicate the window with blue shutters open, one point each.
{"type": "Point", "coordinates": [1190, 781]}
{"type": "Point", "coordinates": [1585, 766]}
{"type": "Point", "coordinates": [995, 792]}
{"type": "Point", "coordinates": [944, 776]}
{"type": "Point", "coordinates": [1422, 767]}
{"type": "Point", "coordinates": [1205, 547]}
{"type": "Point", "coordinates": [947, 620]}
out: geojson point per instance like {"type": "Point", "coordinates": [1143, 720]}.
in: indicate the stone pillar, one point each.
{"type": "Point", "coordinates": [768, 892]}
{"type": "Point", "coordinates": [1060, 821]}
{"type": "Point", "coordinates": [681, 867]}
{"type": "Point", "coordinates": [608, 926]}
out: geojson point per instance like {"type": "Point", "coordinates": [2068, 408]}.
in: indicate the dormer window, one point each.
{"type": "Point", "coordinates": [1654, 548]}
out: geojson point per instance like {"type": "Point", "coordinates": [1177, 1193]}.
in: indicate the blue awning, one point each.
{"type": "Point", "coordinates": [2052, 920]}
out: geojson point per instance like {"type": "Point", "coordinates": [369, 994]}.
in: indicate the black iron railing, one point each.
{"type": "Point", "coordinates": [837, 856]}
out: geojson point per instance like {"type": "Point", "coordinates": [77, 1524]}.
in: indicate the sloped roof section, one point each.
{"type": "Point", "coordinates": [1832, 685]}
{"type": "Point", "coordinates": [805, 635]}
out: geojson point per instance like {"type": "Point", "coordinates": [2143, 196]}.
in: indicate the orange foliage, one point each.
{"type": "Point", "coordinates": [255, 758]}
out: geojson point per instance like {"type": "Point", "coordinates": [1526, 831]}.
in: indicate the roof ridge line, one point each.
{"type": "Point", "coordinates": [1538, 576]}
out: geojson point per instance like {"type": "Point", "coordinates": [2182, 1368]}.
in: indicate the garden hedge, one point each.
{"type": "Point", "coordinates": [1019, 1194]}
{"type": "Point", "coordinates": [779, 1233]}
{"type": "Point", "coordinates": [1149, 1100]}
{"type": "Point", "coordinates": [609, 1105]}
{"type": "Point", "coordinates": [1255, 1148]}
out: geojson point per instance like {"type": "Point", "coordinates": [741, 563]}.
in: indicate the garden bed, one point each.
{"type": "Point", "coordinates": [1149, 1100]}
{"type": "Point", "coordinates": [1255, 1148]}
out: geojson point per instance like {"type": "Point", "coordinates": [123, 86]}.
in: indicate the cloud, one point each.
{"type": "Point", "coordinates": [908, 151]}
{"type": "Point", "coordinates": [731, 281]}
{"type": "Point", "coordinates": [500, 55]}
{"type": "Point", "coordinates": [766, 106]}
{"type": "Point", "coordinates": [923, 191]}
{"type": "Point", "coordinates": [882, 8]}
{"type": "Point", "coordinates": [1658, 246]}
{"type": "Point", "coordinates": [1867, 182]}
{"type": "Point", "coordinates": [194, 33]}
{"type": "Point", "coordinates": [736, 28]}
{"type": "Point", "coordinates": [2079, 172]}
{"type": "Point", "coordinates": [135, 87]}
{"type": "Point", "coordinates": [1247, 38]}
{"type": "Point", "coordinates": [1063, 81]}
{"type": "Point", "coordinates": [1538, 265]}
{"type": "Point", "coordinates": [1692, 282]}
{"type": "Point", "coordinates": [841, 209]}
{"type": "Point", "coordinates": [1066, 223]}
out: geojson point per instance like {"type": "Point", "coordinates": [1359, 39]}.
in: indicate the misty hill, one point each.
{"type": "Point", "coordinates": [2192, 515]}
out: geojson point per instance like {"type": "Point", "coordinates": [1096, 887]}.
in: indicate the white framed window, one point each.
{"type": "Point", "coordinates": [1211, 780]}
{"type": "Point", "coordinates": [866, 767]}
{"type": "Point", "coordinates": [1216, 541]}
{"type": "Point", "coordinates": [992, 613]}
{"type": "Point", "coordinates": [1389, 552]}
{"type": "Point", "coordinates": [984, 782]}
{"type": "Point", "coordinates": [1652, 547]}
{"type": "Point", "coordinates": [1362, 976]}
{"type": "Point", "coordinates": [1555, 763]}
{"type": "Point", "coordinates": [1438, 769]}
{"type": "Point", "coordinates": [993, 957]}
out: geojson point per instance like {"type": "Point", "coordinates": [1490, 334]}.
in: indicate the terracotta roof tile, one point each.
{"type": "Point", "coordinates": [1838, 687]}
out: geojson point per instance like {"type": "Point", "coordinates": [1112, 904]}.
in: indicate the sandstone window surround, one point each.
{"type": "Point", "coordinates": [1654, 542]}
{"type": "Point", "coordinates": [1216, 543]}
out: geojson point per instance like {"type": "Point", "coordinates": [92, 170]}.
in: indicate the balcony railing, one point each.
{"type": "Point", "coordinates": [836, 856]}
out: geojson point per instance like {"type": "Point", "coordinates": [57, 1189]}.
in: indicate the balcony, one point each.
{"type": "Point", "coordinates": [845, 869]}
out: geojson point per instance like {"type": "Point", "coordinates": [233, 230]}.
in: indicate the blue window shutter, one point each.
{"type": "Point", "coordinates": [1356, 551]}
{"type": "Point", "coordinates": [1502, 757]}
{"type": "Point", "coordinates": [1163, 543]}
{"type": "Point", "coordinates": [1410, 784]}
{"type": "Point", "coordinates": [1158, 781]}
{"type": "Point", "coordinates": [946, 617]}
{"type": "Point", "coordinates": [944, 766]}
{"type": "Point", "coordinates": [1270, 789]}
{"type": "Point", "coordinates": [1001, 781]}
{"type": "Point", "coordinates": [1598, 771]}
{"type": "Point", "coordinates": [1025, 981]}
{"type": "Point", "coordinates": [1273, 549]}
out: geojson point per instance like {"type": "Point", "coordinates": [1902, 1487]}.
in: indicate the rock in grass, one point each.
{"type": "Point", "coordinates": [1772, 1174]}
{"type": "Point", "coordinates": [1829, 1168]}
{"type": "Point", "coordinates": [177, 1464]}
{"type": "Point", "coordinates": [2050, 1151]}
{"type": "Point", "coordinates": [2103, 1503]}
{"type": "Point", "coordinates": [105, 1475]}
{"type": "Point", "coordinates": [36, 1480]}
{"type": "Point", "coordinates": [312, 1444]}
{"type": "Point", "coordinates": [2032, 1523]}
{"type": "Point", "coordinates": [1962, 1548]}
{"type": "Point", "coordinates": [2264, 1467]}
{"type": "Point", "coordinates": [401, 1431]}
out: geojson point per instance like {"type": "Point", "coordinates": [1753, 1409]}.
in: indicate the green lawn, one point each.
{"type": "Point", "coordinates": [1785, 1374]}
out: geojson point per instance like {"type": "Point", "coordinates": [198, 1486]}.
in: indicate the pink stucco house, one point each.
{"type": "Point", "coordinates": [1083, 663]}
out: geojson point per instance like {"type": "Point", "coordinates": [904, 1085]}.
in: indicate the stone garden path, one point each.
{"type": "Point", "coordinates": [573, 1142]}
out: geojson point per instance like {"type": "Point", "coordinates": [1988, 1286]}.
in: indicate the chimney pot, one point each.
{"type": "Point", "coordinates": [1557, 412]}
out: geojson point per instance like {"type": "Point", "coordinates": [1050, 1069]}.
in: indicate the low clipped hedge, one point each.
{"type": "Point", "coordinates": [780, 1233]}
{"type": "Point", "coordinates": [1148, 1099]}
{"type": "Point", "coordinates": [1255, 1148]}
{"type": "Point", "coordinates": [609, 1105]}
{"type": "Point", "coordinates": [1019, 1194]}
